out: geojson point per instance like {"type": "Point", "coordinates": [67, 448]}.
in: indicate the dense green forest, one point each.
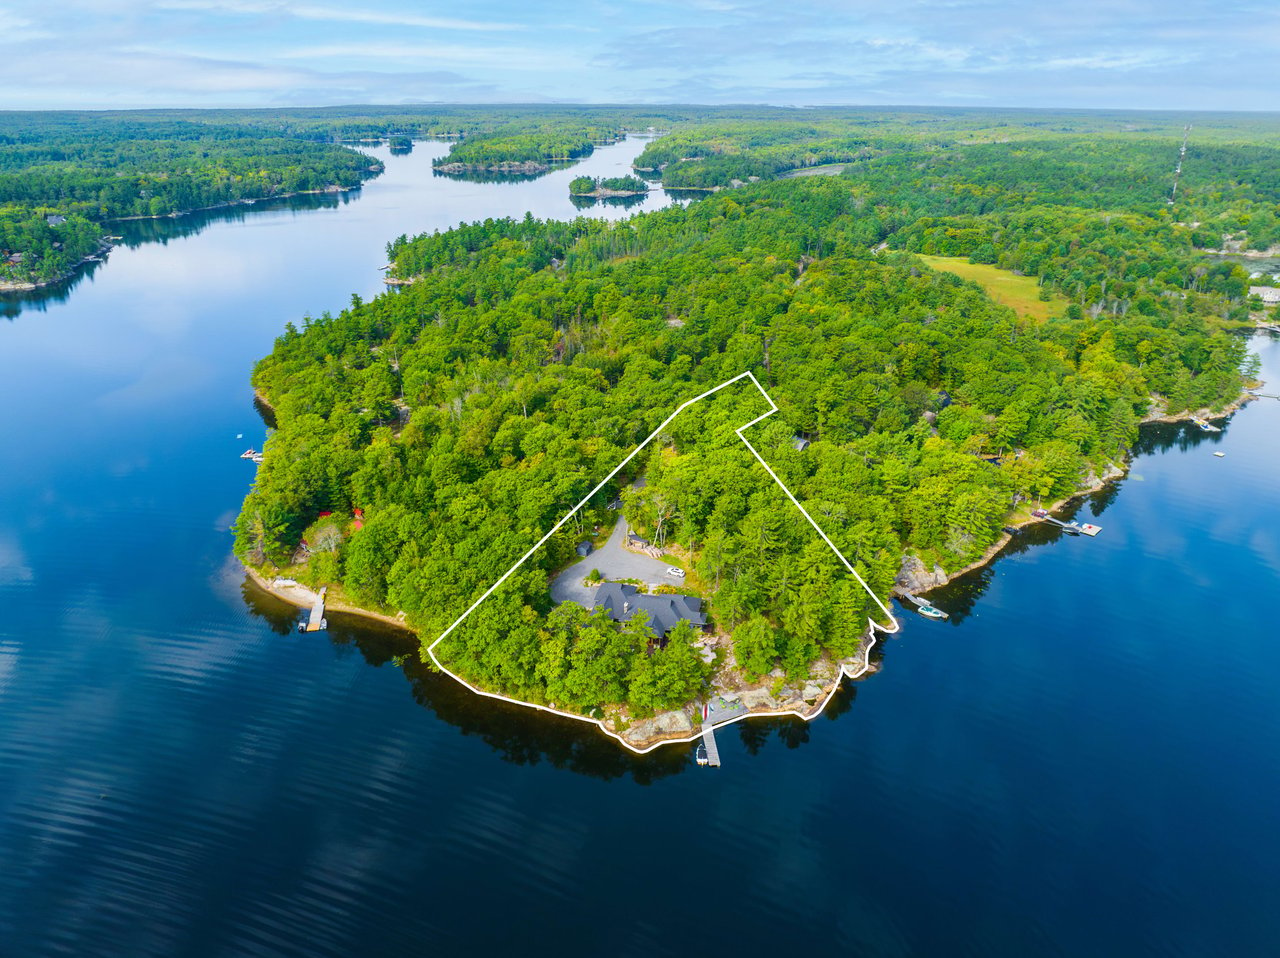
{"type": "Point", "coordinates": [1230, 185]}
{"type": "Point", "coordinates": [587, 185]}
{"type": "Point", "coordinates": [539, 146]}
{"type": "Point", "coordinates": [38, 245]}
{"type": "Point", "coordinates": [104, 165]}
{"type": "Point", "coordinates": [93, 168]}
{"type": "Point", "coordinates": [467, 412]}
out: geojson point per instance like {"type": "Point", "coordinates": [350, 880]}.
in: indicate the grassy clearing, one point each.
{"type": "Point", "coordinates": [1019, 293]}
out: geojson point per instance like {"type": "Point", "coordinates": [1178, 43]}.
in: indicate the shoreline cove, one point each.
{"type": "Point", "coordinates": [99, 255]}
{"type": "Point", "coordinates": [853, 668]}
{"type": "Point", "coordinates": [108, 243]}
{"type": "Point", "coordinates": [806, 708]}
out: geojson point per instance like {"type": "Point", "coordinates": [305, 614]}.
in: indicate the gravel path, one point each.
{"type": "Point", "coordinates": [614, 562]}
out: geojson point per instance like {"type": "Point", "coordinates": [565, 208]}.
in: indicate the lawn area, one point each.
{"type": "Point", "coordinates": [1020, 293]}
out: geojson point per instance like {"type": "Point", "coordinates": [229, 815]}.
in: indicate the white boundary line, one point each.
{"type": "Point", "coordinates": [845, 669]}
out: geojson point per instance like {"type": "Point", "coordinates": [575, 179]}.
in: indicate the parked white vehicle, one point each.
{"type": "Point", "coordinates": [677, 573]}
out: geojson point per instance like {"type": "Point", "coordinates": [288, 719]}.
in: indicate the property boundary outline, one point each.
{"type": "Point", "coordinates": [845, 669]}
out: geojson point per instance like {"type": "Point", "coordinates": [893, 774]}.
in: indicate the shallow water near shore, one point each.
{"type": "Point", "coordinates": [1083, 760]}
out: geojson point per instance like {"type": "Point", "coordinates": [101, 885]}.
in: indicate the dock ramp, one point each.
{"type": "Point", "coordinates": [709, 740]}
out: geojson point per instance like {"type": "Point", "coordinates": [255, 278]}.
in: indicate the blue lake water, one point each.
{"type": "Point", "coordinates": [1083, 761]}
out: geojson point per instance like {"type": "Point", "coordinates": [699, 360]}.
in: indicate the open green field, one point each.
{"type": "Point", "coordinates": [1020, 293]}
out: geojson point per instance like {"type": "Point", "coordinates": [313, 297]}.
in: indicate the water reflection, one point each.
{"type": "Point", "coordinates": [13, 304]}
{"type": "Point", "coordinates": [618, 202]}
{"type": "Point", "coordinates": [133, 233]}
{"type": "Point", "coordinates": [492, 176]}
{"type": "Point", "coordinates": [518, 734]}
{"type": "Point", "coordinates": [521, 735]}
{"type": "Point", "coordinates": [163, 229]}
{"type": "Point", "coordinates": [961, 595]}
{"type": "Point", "coordinates": [688, 196]}
{"type": "Point", "coordinates": [1163, 436]}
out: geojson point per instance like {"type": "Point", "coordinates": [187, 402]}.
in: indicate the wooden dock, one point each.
{"type": "Point", "coordinates": [316, 621]}
{"type": "Point", "coordinates": [709, 740]}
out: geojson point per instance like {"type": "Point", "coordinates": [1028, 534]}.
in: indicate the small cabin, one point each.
{"type": "Point", "coordinates": [584, 549]}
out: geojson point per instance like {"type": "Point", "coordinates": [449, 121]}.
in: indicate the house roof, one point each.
{"type": "Point", "coordinates": [622, 602]}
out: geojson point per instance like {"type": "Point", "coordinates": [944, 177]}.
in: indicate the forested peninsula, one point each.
{"type": "Point", "coordinates": [466, 412]}
{"type": "Point", "coordinates": [65, 176]}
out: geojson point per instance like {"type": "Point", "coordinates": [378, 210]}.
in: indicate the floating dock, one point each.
{"type": "Point", "coordinates": [709, 740]}
{"type": "Point", "coordinates": [317, 621]}
{"type": "Point", "coordinates": [1070, 528]}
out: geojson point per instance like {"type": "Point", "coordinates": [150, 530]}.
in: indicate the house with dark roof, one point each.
{"type": "Point", "coordinates": [622, 602]}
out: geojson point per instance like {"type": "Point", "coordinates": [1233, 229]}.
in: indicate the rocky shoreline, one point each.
{"type": "Point", "coordinates": [915, 578]}
{"type": "Point", "coordinates": [601, 194]}
{"type": "Point", "coordinates": [26, 286]}
{"type": "Point", "coordinates": [515, 167]}
{"type": "Point", "coordinates": [106, 245]}
{"type": "Point", "coordinates": [250, 200]}
{"type": "Point", "coordinates": [1270, 253]}
{"type": "Point", "coordinates": [770, 698]}
{"type": "Point", "coordinates": [296, 594]}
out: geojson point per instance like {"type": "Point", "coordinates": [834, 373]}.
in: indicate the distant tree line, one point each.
{"type": "Point", "coordinates": [532, 355]}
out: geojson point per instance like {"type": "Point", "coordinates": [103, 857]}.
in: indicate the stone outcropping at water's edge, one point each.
{"type": "Point", "coordinates": [21, 286]}
{"type": "Point", "coordinates": [805, 702]}
{"type": "Point", "coordinates": [915, 578]}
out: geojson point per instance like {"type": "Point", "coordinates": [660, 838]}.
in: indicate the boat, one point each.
{"type": "Point", "coordinates": [256, 457]}
{"type": "Point", "coordinates": [1219, 454]}
{"type": "Point", "coordinates": [923, 606]}
{"type": "Point", "coordinates": [249, 453]}
{"type": "Point", "coordinates": [700, 756]}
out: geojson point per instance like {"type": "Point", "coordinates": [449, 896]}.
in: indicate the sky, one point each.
{"type": "Point", "coordinates": [1145, 54]}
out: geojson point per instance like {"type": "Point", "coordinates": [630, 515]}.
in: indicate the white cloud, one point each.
{"type": "Point", "coordinates": [17, 29]}
{"type": "Point", "coordinates": [508, 57]}
{"type": "Point", "coordinates": [304, 11]}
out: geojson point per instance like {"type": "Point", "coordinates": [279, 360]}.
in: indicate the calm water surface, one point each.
{"type": "Point", "coordinates": [1084, 761]}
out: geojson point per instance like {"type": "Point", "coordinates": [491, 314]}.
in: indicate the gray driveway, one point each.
{"type": "Point", "coordinates": [614, 562]}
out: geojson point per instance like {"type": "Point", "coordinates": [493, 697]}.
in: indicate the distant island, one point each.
{"type": "Point", "coordinates": [601, 187]}
{"type": "Point", "coordinates": [968, 321]}
{"type": "Point", "coordinates": [953, 339]}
